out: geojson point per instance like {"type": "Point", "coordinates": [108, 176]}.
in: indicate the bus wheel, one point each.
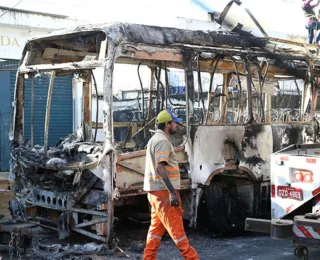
{"type": "Point", "coordinates": [224, 209]}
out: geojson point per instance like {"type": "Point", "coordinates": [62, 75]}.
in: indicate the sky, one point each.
{"type": "Point", "coordinates": [283, 16]}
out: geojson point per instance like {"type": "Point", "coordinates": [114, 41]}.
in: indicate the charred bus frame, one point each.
{"type": "Point", "coordinates": [229, 160]}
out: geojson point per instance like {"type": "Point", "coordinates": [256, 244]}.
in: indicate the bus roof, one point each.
{"type": "Point", "coordinates": [155, 35]}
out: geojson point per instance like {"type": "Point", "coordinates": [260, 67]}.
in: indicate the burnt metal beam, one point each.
{"type": "Point", "coordinates": [17, 117]}
{"type": "Point", "coordinates": [315, 91]}
{"type": "Point", "coordinates": [189, 81]}
{"type": "Point", "coordinates": [200, 88]}
{"type": "Point", "coordinates": [21, 228]}
{"type": "Point", "coordinates": [8, 248]}
{"type": "Point", "coordinates": [224, 99]}
{"type": "Point", "coordinates": [94, 197]}
{"type": "Point", "coordinates": [301, 44]}
{"type": "Point", "coordinates": [108, 157]}
{"type": "Point", "coordinates": [221, 16]}
{"type": "Point", "coordinates": [165, 36]}
{"type": "Point", "coordinates": [85, 188]}
{"type": "Point", "coordinates": [249, 92]}
{"type": "Point", "coordinates": [70, 66]}
{"type": "Point", "coordinates": [89, 234]}
{"type": "Point", "coordinates": [92, 222]}
{"type": "Point", "coordinates": [87, 114]}
{"type": "Point", "coordinates": [32, 111]}
{"type": "Point", "coordinates": [91, 212]}
{"type": "Point", "coordinates": [256, 22]}
{"type": "Point", "coordinates": [48, 110]}
{"type": "Point", "coordinates": [152, 81]}
{"type": "Point", "coordinates": [210, 94]}
{"type": "Point", "coordinates": [258, 225]}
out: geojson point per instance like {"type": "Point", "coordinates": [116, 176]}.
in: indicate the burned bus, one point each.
{"type": "Point", "coordinates": [233, 95]}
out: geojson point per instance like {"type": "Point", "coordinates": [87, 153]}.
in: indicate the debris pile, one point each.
{"type": "Point", "coordinates": [69, 156]}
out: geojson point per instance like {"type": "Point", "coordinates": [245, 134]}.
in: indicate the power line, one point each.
{"type": "Point", "coordinates": [11, 8]}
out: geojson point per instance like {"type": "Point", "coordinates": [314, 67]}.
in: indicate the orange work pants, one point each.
{"type": "Point", "coordinates": [166, 217]}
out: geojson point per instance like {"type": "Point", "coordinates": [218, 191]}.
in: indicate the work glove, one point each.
{"type": "Point", "coordinates": [174, 199]}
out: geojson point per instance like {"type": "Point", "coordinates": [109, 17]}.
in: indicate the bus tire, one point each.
{"type": "Point", "coordinates": [217, 209]}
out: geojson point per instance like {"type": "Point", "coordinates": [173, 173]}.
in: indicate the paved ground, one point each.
{"type": "Point", "coordinates": [246, 247]}
{"type": "Point", "coordinates": [132, 238]}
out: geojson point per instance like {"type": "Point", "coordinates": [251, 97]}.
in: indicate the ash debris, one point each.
{"type": "Point", "coordinates": [69, 156]}
{"type": "Point", "coordinates": [45, 251]}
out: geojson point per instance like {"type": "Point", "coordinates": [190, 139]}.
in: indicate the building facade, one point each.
{"type": "Point", "coordinates": [16, 27]}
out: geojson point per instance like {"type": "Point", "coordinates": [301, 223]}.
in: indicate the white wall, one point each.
{"type": "Point", "coordinates": [16, 27]}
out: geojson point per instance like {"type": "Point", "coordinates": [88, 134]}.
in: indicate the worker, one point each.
{"type": "Point", "coordinates": [312, 21]}
{"type": "Point", "coordinates": [162, 181]}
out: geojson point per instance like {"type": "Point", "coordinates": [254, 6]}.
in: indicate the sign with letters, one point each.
{"type": "Point", "coordinates": [12, 41]}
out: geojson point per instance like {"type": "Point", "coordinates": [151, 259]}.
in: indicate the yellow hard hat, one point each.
{"type": "Point", "coordinates": [167, 116]}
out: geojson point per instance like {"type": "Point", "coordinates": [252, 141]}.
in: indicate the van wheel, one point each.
{"type": "Point", "coordinates": [224, 209]}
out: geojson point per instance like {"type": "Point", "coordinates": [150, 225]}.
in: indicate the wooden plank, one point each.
{"type": "Point", "coordinates": [130, 167]}
{"type": "Point", "coordinates": [131, 155]}
{"type": "Point", "coordinates": [224, 66]}
{"type": "Point", "coordinates": [164, 55]}
{"type": "Point", "coordinates": [53, 53]}
{"type": "Point", "coordinates": [301, 44]}
{"type": "Point", "coordinates": [126, 156]}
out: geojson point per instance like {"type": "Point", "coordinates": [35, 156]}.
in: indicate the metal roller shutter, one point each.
{"type": "Point", "coordinates": [61, 121]}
